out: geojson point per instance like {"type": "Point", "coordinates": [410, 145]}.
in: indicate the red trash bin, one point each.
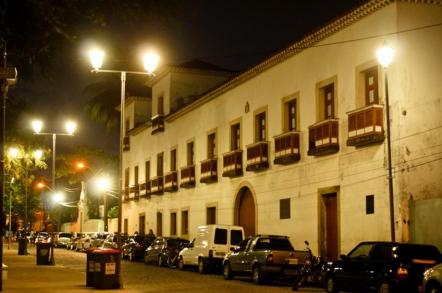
{"type": "Point", "coordinates": [90, 267]}
{"type": "Point", "coordinates": [107, 268]}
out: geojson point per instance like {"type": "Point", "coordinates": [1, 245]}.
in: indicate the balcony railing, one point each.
{"type": "Point", "coordinates": [145, 189]}
{"type": "Point", "coordinates": [136, 192]}
{"type": "Point", "coordinates": [258, 156]}
{"type": "Point", "coordinates": [324, 138]}
{"type": "Point", "coordinates": [366, 126]}
{"type": "Point", "coordinates": [157, 185]}
{"type": "Point", "coordinates": [126, 143]}
{"type": "Point", "coordinates": [232, 164]}
{"type": "Point", "coordinates": [171, 181]}
{"type": "Point", "coordinates": [209, 170]}
{"type": "Point", "coordinates": [157, 123]}
{"type": "Point", "coordinates": [287, 148]}
{"type": "Point", "coordinates": [126, 191]}
{"type": "Point", "coordinates": [188, 176]}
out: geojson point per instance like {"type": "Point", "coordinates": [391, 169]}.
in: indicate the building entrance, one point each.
{"type": "Point", "coordinates": [245, 211]}
{"type": "Point", "coordinates": [329, 237]}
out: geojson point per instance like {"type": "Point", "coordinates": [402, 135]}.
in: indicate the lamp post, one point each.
{"type": "Point", "coordinates": [150, 61]}
{"type": "Point", "coordinates": [103, 184]}
{"type": "Point", "coordinates": [70, 126]}
{"type": "Point", "coordinates": [385, 57]}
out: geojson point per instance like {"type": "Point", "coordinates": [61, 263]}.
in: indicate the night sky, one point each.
{"type": "Point", "coordinates": [231, 34]}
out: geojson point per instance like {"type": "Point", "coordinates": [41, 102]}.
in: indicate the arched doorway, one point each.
{"type": "Point", "coordinates": [245, 211]}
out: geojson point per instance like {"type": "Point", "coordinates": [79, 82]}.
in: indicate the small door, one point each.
{"type": "Point", "coordinates": [329, 233]}
{"type": "Point", "coordinates": [246, 213]}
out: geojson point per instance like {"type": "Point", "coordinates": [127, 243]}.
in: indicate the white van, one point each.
{"type": "Point", "coordinates": [210, 245]}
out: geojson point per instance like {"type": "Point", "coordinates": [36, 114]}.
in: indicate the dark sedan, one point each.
{"type": "Point", "coordinates": [382, 267]}
{"type": "Point", "coordinates": [164, 251]}
{"type": "Point", "coordinates": [135, 246]}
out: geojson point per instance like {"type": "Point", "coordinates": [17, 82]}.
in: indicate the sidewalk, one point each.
{"type": "Point", "coordinates": [25, 276]}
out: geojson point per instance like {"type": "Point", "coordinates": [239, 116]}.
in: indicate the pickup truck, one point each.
{"type": "Point", "coordinates": [263, 257]}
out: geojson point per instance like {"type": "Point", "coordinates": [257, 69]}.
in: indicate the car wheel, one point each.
{"type": "Point", "coordinates": [331, 285]}
{"type": "Point", "coordinates": [181, 263]}
{"type": "Point", "coordinates": [160, 261]}
{"type": "Point", "coordinates": [202, 266]}
{"type": "Point", "coordinates": [433, 288]}
{"type": "Point", "coordinates": [257, 275]}
{"type": "Point", "coordinates": [384, 288]}
{"type": "Point", "coordinates": [227, 271]}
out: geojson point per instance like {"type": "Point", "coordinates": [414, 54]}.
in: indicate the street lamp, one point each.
{"type": "Point", "coordinates": [70, 126]}
{"type": "Point", "coordinates": [385, 57]}
{"type": "Point", "coordinates": [103, 184]}
{"type": "Point", "coordinates": [150, 61]}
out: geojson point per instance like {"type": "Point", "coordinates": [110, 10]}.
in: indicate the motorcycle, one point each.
{"type": "Point", "coordinates": [312, 269]}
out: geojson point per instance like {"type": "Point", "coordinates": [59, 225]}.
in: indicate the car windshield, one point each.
{"type": "Point", "coordinates": [274, 244]}
{"type": "Point", "coordinates": [415, 252]}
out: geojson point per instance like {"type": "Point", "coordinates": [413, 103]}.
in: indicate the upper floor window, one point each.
{"type": "Point", "coordinates": [126, 177]}
{"type": "Point", "coordinates": [260, 127]}
{"type": "Point", "coordinates": [328, 93]}
{"type": "Point", "coordinates": [173, 160]}
{"type": "Point", "coordinates": [235, 136]}
{"type": "Point", "coordinates": [147, 171]}
{"type": "Point", "coordinates": [211, 145]}
{"type": "Point", "coordinates": [371, 86]}
{"type": "Point", "coordinates": [160, 106]}
{"type": "Point", "coordinates": [190, 153]}
{"type": "Point", "coordinates": [290, 115]}
{"type": "Point", "coordinates": [136, 175]}
{"type": "Point", "coordinates": [160, 164]}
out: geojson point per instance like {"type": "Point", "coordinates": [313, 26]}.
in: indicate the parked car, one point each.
{"type": "Point", "coordinates": [84, 243]}
{"type": "Point", "coordinates": [164, 248]}
{"type": "Point", "coordinates": [63, 239]}
{"type": "Point", "coordinates": [382, 267]}
{"type": "Point", "coordinates": [210, 245]}
{"type": "Point", "coordinates": [433, 280]}
{"type": "Point", "coordinates": [72, 243]}
{"type": "Point", "coordinates": [99, 240]}
{"type": "Point", "coordinates": [42, 237]}
{"type": "Point", "coordinates": [135, 246]}
{"type": "Point", "coordinates": [263, 257]}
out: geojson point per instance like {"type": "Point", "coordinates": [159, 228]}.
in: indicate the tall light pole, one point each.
{"type": "Point", "coordinates": [150, 61]}
{"type": "Point", "coordinates": [37, 126]}
{"type": "Point", "coordinates": [103, 185]}
{"type": "Point", "coordinates": [385, 57]}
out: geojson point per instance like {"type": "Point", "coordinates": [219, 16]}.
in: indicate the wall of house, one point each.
{"type": "Point", "coordinates": [355, 172]}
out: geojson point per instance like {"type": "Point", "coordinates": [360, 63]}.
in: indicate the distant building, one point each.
{"type": "Point", "coordinates": [297, 144]}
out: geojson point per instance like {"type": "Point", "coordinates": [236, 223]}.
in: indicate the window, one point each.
{"type": "Point", "coordinates": [184, 222]}
{"type": "Point", "coordinates": [211, 146]}
{"type": "Point", "coordinates": [211, 215]}
{"type": "Point", "coordinates": [369, 204]}
{"type": "Point", "coordinates": [126, 226]}
{"type": "Point", "coordinates": [290, 115]}
{"type": "Point", "coordinates": [360, 252]}
{"type": "Point", "coordinates": [147, 171]}
{"type": "Point", "coordinates": [220, 236]}
{"type": "Point", "coordinates": [371, 86]}
{"type": "Point", "coordinates": [126, 177]}
{"type": "Point", "coordinates": [136, 175]}
{"type": "Point", "coordinates": [260, 127]}
{"type": "Point", "coordinates": [160, 164]}
{"type": "Point", "coordinates": [235, 137]}
{"type": "Point", "coordinates": [329, 101]}
{"type": "Point", "coordinates": [160, 105]}
{"type": "Point", "coordinates": [173, 224]}
{"type": "Point", "coordinates": [235, 237]}
{"type": "Point", "coordinates": [190, 154]}
{"type": "Point", "coordinates": [284, 208]}
{"type": "Point", "coordinates": [159, 224]}
{"type": "Point", "coordinates": [173, 160]}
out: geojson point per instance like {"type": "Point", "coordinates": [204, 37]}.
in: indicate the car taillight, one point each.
{"type": "Point", "coordinates": [269, 258]}
{"type": "Point", "coordinates": [402, 273]}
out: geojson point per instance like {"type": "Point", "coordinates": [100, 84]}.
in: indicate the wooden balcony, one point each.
{"type": "Point", "coordinates": [258, 156]}
{"type": "Point", "coordinates": [366, 126]}
{"type": "Point", "coordinates": [188, 177]}
{"type": "Point", "coordinates": [287, 148]}
{"type": "Point", "coordinates": [157, 185]}
{"type": "Point", "coordinates": [145, 189]}
{"type": "Point", "coordinates": [324, 138]}
{"type": "Point", "coordinates": [232, 164]}
{"type": "Point", "coordinates": [136, 192]}
{"type": "Point", "coordinates": [126, 143]}
{"type": "Point", "coordinates": [157, 123]}
{"type": "Point", "coordinates": [171, 181]}
{"type": "Point", "coordinates": [126, 192]}
{"type": "Point", "coordinates": [209, 170]}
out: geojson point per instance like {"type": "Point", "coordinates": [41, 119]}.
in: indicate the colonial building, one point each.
{"type": "Point", "coordinates": [297, 144]}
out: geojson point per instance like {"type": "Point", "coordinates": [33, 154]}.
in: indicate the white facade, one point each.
{"type": "Point", "coordinates": [339, 53]}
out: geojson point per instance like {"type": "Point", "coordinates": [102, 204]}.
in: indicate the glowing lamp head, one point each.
{"type": "Point", "coordinates": [80, 165]}
{"type": "Point", "coordinates": [70, 127]}
{"type": "Point", "coordinates": [96, 57]}
{"type": "Point", "coordinates": [38, 154]}
{"type": "Point", "coordinates": [102, 183]}
{"type": "Point", "coordinates": [13, 152]}
{"type": "Point", "coordinates": [385, 55]}
{"type": "Point", "coordinates": [151, 61]}
{"type": "Point", "coordinates": [40, 185]}
{"type": "Point", "coordinates": [58, 197]}
{"type": "Point", "coordinates": [37, 126]}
